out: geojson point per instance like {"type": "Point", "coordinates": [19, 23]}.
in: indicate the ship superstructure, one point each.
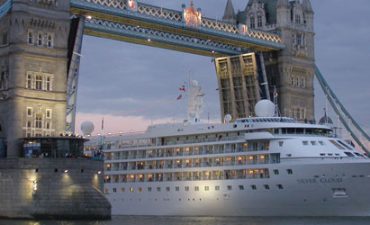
{"type": "Point", "coordinates": [263, 166]}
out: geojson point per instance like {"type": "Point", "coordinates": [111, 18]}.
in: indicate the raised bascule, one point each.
{"type": "Point", "coordinates": [261, 52]}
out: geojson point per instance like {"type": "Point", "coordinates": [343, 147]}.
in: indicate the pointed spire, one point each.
{"type": "Point", "coordinates": [307, 6]}
{"type": "Point", "coordinates": [229, 14]}
{"type": "Point", "coordinates": [282, 3]}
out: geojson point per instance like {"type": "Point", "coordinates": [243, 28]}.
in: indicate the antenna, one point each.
{"type": "Point", "coordinates": [276, 103]}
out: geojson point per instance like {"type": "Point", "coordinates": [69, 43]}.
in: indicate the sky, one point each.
{"type": "Point", "coordinates": [133, 86]}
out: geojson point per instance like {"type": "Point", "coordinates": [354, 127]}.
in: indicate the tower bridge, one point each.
{"type": "Point", "coordinates": [269, 45]}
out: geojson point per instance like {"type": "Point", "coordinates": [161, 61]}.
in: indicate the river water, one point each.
{"type": "Point", "coordinates": [149, 220]}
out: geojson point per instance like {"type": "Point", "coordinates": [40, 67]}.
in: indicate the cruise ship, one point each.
{"type": "Point", "coordinates": [261, 166]}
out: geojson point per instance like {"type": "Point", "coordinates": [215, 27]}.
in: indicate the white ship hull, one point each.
{"type": "Point", "coordinates": [309, 191]}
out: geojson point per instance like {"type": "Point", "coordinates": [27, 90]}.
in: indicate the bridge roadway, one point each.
{"type": "Point", "coordinates": [165, 28]}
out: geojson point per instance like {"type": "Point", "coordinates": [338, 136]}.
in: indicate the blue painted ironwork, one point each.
{"type": "Point", "coordinates": [73, 72]}
{"type": "Point", "coordinates": [163, 37]}
{"type": "Point", "coordinates": [357, 133]}
{"type": "Point", "coordinates": [5, 7]}
{"type": "Point", "coordinates": [172, 18]}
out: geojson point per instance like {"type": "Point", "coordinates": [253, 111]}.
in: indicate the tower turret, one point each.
{"type": "Point", "coordinates": [229, 14]}
{"type": "Point", "coordinates": [282, 13]}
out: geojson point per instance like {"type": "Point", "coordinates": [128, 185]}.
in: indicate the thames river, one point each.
{"type": "Point", "coordinates": [136, 220]}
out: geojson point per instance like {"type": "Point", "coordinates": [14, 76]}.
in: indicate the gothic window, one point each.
{"type": "Point", "coordinates": [47, 125]}
{"type": "Point", "coordinates": [48, 83]}
{"type": "Point", "coordinates": [48, 114]}
{"type": "Point", "coordinates": [302, 82]}
{"type": "Point", "coordinates": [39, 39]}
{"type": "Point", "coordinates": [29, 124]}
{"type": "Point", "coordinates": [291, 80]}
{"type": "Point", "coordinates": [297, 19]}
{"type": "Point", "coordinates": [29, 111]}
{"type": "Point", "coordinates": [50, 40]}
{"type": "Point", "coordinates": [299, 39]}
{"type": "Point", "coordinates": [3, 80]}
{"type": "Point", "coordinates": [259, 20]}
{"type": "Point", "coordinates": [252, 22]}
{"type": "Point", "coordinates": [38, 82]}
{"type": "Point", "coordinates": [4, 40]}
{"type": "Point", "coordinates": [29, 81]}
{"type": "Point", "coordinates": [296, 82]}
{"type": "Point", "coordinates": [38, 123]}
{"type": "Point", "coordinates": [30, 37]}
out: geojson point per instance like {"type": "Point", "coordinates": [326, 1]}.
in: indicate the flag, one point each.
{"type": "Point", "coordinates": [182, 88]}
{"type": "Point", "coordinates": [179, 97]}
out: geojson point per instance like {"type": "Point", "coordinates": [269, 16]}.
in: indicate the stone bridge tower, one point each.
{"type": "Point", "coordinates": [33, 78]}
{"type": "Point", "coordinates": [291, 70]}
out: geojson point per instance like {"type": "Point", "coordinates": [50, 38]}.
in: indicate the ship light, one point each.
{"type": "Point", "coordinates": [65, 171]}
{"type": "Point", "coordinates": [88, 17]}
{"type": "Point", "coordinates": [251, 157]}
{"type": "Point", "coordinates": [34, 185]}
{"type": "Point", "coordinates": [262, 157]}
{"type": "Point", "coordinates": [240, 158]}
{"type": "Point", "coordinates": [99, 172]}
{"type": "Point", "coordinates": [132, 176]}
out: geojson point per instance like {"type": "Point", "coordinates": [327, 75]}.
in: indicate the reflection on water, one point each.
{"type": "Point", "coordinates": [150, 220]}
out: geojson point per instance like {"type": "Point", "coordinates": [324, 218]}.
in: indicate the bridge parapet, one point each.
{"type": "Point", "coordinates": [169, 15]}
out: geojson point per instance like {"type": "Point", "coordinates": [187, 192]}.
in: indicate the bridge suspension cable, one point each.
{"type": "Point", "coordinates": [357, 133]}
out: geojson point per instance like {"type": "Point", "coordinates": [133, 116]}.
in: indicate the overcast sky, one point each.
{"type": "Point", "coordinates": [132, 86]}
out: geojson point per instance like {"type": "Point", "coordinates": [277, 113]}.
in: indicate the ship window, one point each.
{"type": "Point", "coordinates": [177, 188]}
{"type": "Point", "coordinates": [186, 188]}
{"type": "Point", "coordinates": [241, 187]}
{"type": "Point", "coordinates": [114, 190]}
{"type": "Point", "coordinates": [322, 154]}
{"type": "Point", "coordinates": [122, 189]}
{"type": "Point", "coordinates": [349, 154]}
{"type": "Point", "coordinates": [289, 171]}
{"type": "Point", "coordinates": [305, 142]}
{"type": "Point", "coordinates": [281, 143]}
{"type": "Point", "coordinates": [313, 142]}
{"type": "Point", "coordinates": [229, 187]}
{"type": "Point", "coordinates": [280, 186]}
{"type": "Point", "coordinates": [217, 188]}
{"type": "Point", "coordinates": [276, 172]}
{"type": "Point", "coordinates": [131, 189]}
{"type": "Point", "coordinates": [321, 143]}
{"type": "Point", "coordinates": [267, 187]}
{"type": "Point", "coordinates": [254, 187]}
{"type": "Point", "coordinates": [168, 188]}
{"type": "Point", "coordinates": [206, 188]}
{"type": "Point", "coordinates": [140, 189]}
{"type": "Point", "coordinates": [345, 145]}
{"type": "Point", "coordinates": [149, 189]}
{"type": "Point", "coordinates": [196, 188]}
{"type": "Point", "coordinates": [336, 144]}
{"type": "Point", "coordinates": [158, 189]}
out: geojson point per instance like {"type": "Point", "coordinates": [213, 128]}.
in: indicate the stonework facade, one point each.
{"type": "Point", "coordinates": [52, 189]}
{"type": "Point", "coordinates": [291, 70]}
{"type": "Point", "coordinates": [33, 63]}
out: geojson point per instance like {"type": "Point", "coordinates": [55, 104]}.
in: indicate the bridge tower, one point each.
{"type": "Point", "coordinates": [290, 70]}
{"type": "Point", "coordinates": [297, 60]}
{"type": "Point", "coordinates": [33, 63]}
